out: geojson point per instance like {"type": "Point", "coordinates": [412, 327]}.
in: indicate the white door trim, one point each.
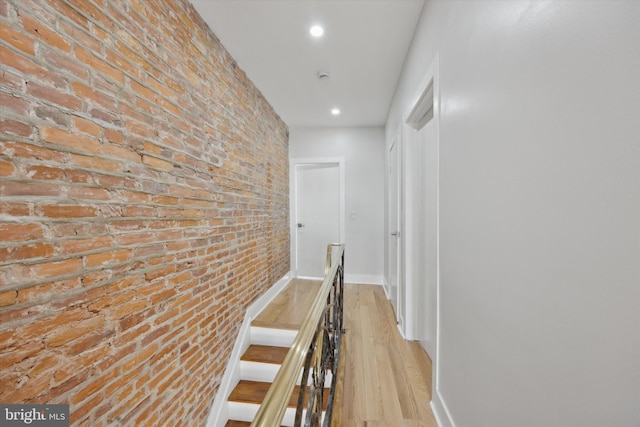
{"type": "Point", "coordinates": [438, 403]}
{"type": "Point", "coordinates": [293, 169]}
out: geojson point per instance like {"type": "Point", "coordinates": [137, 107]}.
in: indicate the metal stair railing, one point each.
{"type": "Point", "coordinates": [315, 351]}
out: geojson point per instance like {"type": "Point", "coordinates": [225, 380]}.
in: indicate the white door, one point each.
{"type": "Point", "coordinates": [427, 234]}
{"type": "Point", "coordinates": [394, 226]}
{"type": "Point", "coordinates": [317, 215]}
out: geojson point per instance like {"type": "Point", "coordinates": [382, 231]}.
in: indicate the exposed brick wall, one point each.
{"type": "Point", "coordinates": [143, 208]}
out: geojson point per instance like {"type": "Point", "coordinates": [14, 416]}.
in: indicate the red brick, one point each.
{"type": "Point", "coordinates": [44, 291]}
{"type": "Point", "coordinates": [68, 211]}
{"type": "Point", "coordinates": [127, 309]}
{"type": "Point", "coordinates": [88, 193]}
{"type": "Point", "coordinates": [58, 268]}
{"type": "Point", "coordinates": [110, 257]}
{"type": "Point", "coordinates": [44, 363]}
{"type": "Point", "coordinates": [24, 252]}
{"type": "Point", "coordinates": [120, 152]}
{"type": "Point", "coordinates": [34, 189]}
{"type": "Point", "coordinates": [56, 174]}
{"type": "Point", "coordinates": [113, 135]}
{"type": "Point", "coordinates": [87, 126]}
{"type": "Point", "coordinates": [26, 351]}
{"type": "Point", "coordinates": [122, 64]}
{"type": "Point", "coordinates": [85, 92]}
{"type": "Point", "coordinates": [95, 385]}
{"type": "Point", "coordinates": [140, 357]}
{"type": "Point", "coordinates": [54, 95]}
{"type": "Point", "coordinates": [90, 342]}
{"type": "Point", "coordinates": [44, 33]}
{"type": "Point", "coordinates": [27, 150]}
{"type": "Point", "coordinates": [157, 163]}
{"type": "Point", "coordinates": [6, 168]}
{"type": "Point", "coordinates": [53, 115]}
{"type": "Point", "coordinates": [16, 38]}
{"type": "Point", "coordinates": [13, 103]}
{"type": "Point", "coordinates": [16, 209]}
{"type": "Point", "coordinates": [91, 162]}
{"type": "Point", "coordinates": [143, 242]}
{"type": "Point", "coordinates": [72, 381]}
{"type": "Point", "coordinates": [40, 327]}
{"type": "Point", "coordinates": [8, 298]}
{"type": "Point", "coordinates": [28, 390]}
{"type": "Point", "coordinates": [81, 411]}
{"type": "Point", "coordinates": [70, 13]}
{"type": "Point", "coordinates": [160, 272]}
{"type": "Point", "coordinates": [93, 61]}
{"type": "Point", "coordinates": [64, 63]}
{"type": "Point", "coordinates": [72, 332]}
{"type": "Point", "coordinates": [142, 90]}
{"type": "Point", "coordinates": [155, 334]}
{"type": "Point", "coordinates": [93, 13]}
{"type": "Point", "coordinates": [10, 80]}
{"type": "Point", "coordinates": [27, 66]}
{"type": "Point", "coordinates": [14, 127]}
{"type": "Point", "coordinates": [20, 231]}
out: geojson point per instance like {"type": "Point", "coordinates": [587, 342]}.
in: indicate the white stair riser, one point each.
{"type": "Point", "coordinates": [266, 372]}
{"type": "Point", "coordinates": [247, 411]}
{"type": "Point", "coordinates": [272, 337]}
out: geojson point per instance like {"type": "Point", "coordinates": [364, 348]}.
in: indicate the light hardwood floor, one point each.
{"type": "Point", "coordinates": [384, 381]}
{"type": "Point", "coordinates": [288, 309]}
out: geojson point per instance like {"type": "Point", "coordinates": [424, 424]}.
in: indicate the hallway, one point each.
{"type": "Point", "coordinates": [385, 380]}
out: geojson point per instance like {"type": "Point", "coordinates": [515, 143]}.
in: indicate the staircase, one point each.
{"type": "Point", "coordinates": [258, 367]}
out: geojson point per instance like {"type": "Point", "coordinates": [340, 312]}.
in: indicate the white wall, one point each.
{"type": "Point", "coordinates": [363, 151]}
{"type": "Point", "coordinates": [540, 209]}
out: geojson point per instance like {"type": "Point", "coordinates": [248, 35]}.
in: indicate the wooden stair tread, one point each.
{"type": "Point", "coordinates": [265, 354]}
{"type": "Point", "coordinates": [255, 391]}
{"type": "Point", "coordinates": [234, 423]}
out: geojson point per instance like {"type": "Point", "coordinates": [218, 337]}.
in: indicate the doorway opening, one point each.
{"type": "Point", "coordinates": [318, 212]}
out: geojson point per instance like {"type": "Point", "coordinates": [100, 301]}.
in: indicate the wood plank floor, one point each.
{"type": "Point", "coordinates": [385, 381]}
{"type": "Point", "coordinates": [288, 309]}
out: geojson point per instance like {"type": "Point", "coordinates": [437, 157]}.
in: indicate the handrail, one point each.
{"type": "Point", "coordinates": [275, 403]}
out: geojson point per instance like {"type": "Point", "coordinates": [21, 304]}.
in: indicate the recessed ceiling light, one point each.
{"type": "Point", "coordinates": [316, 31]}
{"type": "Point", "coordinates": [335, 111]}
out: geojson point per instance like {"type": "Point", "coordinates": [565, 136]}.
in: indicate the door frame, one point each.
{"type": "Point", "coordinates": [293, 174]}
{"type": "Point", "coordinates": [429, 82]}
{"type": "Point", "coordinates": [397, 296]}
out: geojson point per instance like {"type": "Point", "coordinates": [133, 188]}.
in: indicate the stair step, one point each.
{"type": "Point", "coordinates": [234, 423]}
{"type": "Point", "coordinates": [265, 354]}
{"type": "Point", "coordinates": [255, 391]}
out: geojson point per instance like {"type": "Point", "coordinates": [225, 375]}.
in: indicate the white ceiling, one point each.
{"type": "Point", "coordinates": [363, 48]}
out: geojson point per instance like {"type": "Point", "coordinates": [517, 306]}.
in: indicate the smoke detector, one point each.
{"type": "Point", "coordinates": [323, 76]}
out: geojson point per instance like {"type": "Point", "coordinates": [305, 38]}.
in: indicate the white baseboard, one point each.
{"type": "Point", "coordinates": [440, 411]}
{"type": "Point", "coordinates": [353, 279]}
{"type": "Point", "coordinates": [363, 279]}
{"type": "Point", "coordinates": [218, 415]}
{"type": "Point", "coordinates": [310, 278]}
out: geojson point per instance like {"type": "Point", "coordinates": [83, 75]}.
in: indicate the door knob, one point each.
{"type": "Point", "coordinates": [300, 225]}
{"type": "Point", "coordinates": [396, 233]}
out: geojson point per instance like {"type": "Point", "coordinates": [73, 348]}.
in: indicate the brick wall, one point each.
{"type": "Point", "coordinates": [143, 208]}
